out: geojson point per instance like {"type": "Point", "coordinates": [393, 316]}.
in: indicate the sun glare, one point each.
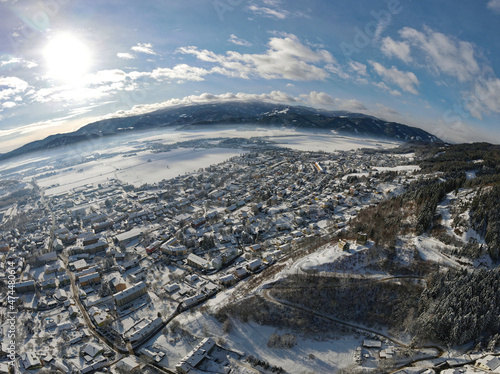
{"type": "Point", "coordinates": [67, 58]}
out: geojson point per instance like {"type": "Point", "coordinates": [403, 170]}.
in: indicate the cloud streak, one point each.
{"type": "Point", "coordinates": [146, 48]}
{"type": "Point", "coordinates": [235, 40]}
{"type": "Point", "coordinates": [407, 81]}
{"type": "Point", "coordinates": [286, 58]}
{"type": "Point", "coordinates": [494, 5]}
{"type": "Point", "coordinates": [444, 54]}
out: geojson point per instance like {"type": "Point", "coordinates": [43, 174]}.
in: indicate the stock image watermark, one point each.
{"type": "Point", "coordinates": [363, 37]}
{"type": "Point", "coordinates": [223, 6]}
{"type": "Point", "coordinates": [35, 22]}
{"type": "Point", "coordinates": [10, 339]}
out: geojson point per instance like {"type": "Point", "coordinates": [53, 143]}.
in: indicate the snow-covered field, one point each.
{"type": "Point", "coordinates": [144, 167]}
{"type": "Point", "coordinates": [407, 168]}
{"type": "Point", "coordinates": [88, 166]}
{"type": "Point", "coordinates": [329, 142]}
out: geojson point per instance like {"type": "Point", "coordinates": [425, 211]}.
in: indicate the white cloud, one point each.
{"type": "Point", "coordinates": [323, 100]}
{"type": "Point", "coordinates": [235, 40]}
{"type": "Point", "coordinates": [181, 72]}
{"type": "Point", "coordinates": [494, 5]}
{"type": "Point", "coordinates": [385, 87]}
{"type": "Point", "coordinates": [392, 48]}
{"type": "Point", "coordinates": [407, 81]}
{"type": "Point", "coordinates": [8, 61]}
{"type": "Point", "coordinates": [146, 48]}
{"type": "Point", "coordinates": [286, 58]}
{"type": "Point", "coordinates": [8, 104]}
{"type": "Point", "coordinates": [125, 55]}
{"type": "Point", "coordinates": [485, 98]}
{"type": "Point", "coordinates": [11, 86]}
{"type": "Point", "coordinates": [444, 54]}
{"type": "Point", "coordinates": [105, 76]}
{"type": "Point", "coordinates": [269, 12]}
{"type": "Point", "coordinates": [358, 68]}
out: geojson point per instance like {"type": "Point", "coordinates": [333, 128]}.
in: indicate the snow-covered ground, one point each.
{"type": "Point", "coordinates": [329, 141]}
{"type": "Point", "coordinates": [431, 249]}
{"type": "Point", "coordinates": [407, 168]}
{"type": "Point", "coordinates": [145, 167]}
{"type": "Point", "coordinates": [325, 356]}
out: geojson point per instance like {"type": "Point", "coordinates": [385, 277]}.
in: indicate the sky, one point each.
{"type": "Point", "coordinates": [425, 63]}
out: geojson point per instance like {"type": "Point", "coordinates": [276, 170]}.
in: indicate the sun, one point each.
{"type": "Point", "coordinates": [68, 59]}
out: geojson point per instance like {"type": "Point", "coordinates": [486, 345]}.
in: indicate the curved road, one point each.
{"type": "Point", "coordinates": [265, 293]}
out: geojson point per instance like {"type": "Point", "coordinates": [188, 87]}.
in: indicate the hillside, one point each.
{"type": "Point", "coordinates": [236, 113]}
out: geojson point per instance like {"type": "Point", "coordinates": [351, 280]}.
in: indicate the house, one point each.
{"type": "Point", "coordinates": [128, 364]}
{"type": "Point", "coordinates": [92, 349]}
{"type": "Point", "coordinates": [118, 284]}
{"type": "Point", "coordinates": [147, 328]}
{"type": "Point", "coordinates": [193, 300]}
{"type": "Point", "coordinates": [79, 265]}
{"type": "Point", "coordinates": [227, 280]}
{"type": "Point", "coordinates": [172, 250]}
{"type": "Point", "coordinates": [61, 295]}
{"type": "Point", "coordinates": [73, 311]}
{"type": "Point", "coordinates": [49, 283]}
{"type": "Point", "coordinates": [28, 286]}
{"type": "Point", "coordinates": [240, 272]}
{"type": "Point", "coordinates": [387, 353]}
{"type": "Point", "coordinates": [153, 247]}
{"type": "Point", "coordinates": [254, 265]}
{"type": "Point", "coordinates": [64, 327]}
{"type": "Point", "coordinates": [48, 257]}
{"type": "Point", "coordinates": [128, 236]}
{"type": "Point", "coordinates": [4, 368]}
{"type": "Point", "coordinates": [343, 245]}
{"type": "Point", "coordinates": [171, 288]}
{"type": "Point", "coordinates": [198, 222]}
{"type": "Point", "coordinates": [90, 279]}
{"type": "Point", "coordinates": [52, 268]}
{"type": "Point", "coordinates": [89, 270]}
{"type": "Point", "coordinates": [63, 280]}
{"type": "Point", "coordinates": [130, 264]}
{"type": "Point", "coordinates": [30, 361]}
{"type": "Point", "coordinates": [368, 343]}
{"type": "Point", "coordinates": [488, 363]}
{"type": "Point", "coordinates": [254, 248]}
{"type": "Point", "coordinates": [4, 247]}
{"type": "Point", "coordinates": [362, 239]}
{"type": "Point", "coordinates": [196, 261]}
{"type": "Point", "coordinates": [194, 358]}
{"type": "Point", "coordinates": [102, 318]}
{"type": "Point", "coordinates": [96, 247]}
{"type": "Point", "coordinates": [130, 294]}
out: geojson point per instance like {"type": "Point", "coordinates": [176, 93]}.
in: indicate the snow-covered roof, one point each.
{"type": "Point", "coordinates": [92, 349]}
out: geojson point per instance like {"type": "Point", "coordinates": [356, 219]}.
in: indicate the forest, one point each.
{"type": "Point", "coordinates": [460, 306]}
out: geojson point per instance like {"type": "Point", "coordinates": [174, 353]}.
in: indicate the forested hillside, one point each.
{"type": "Point", "coordinates": [458, 307]}
{"type": "Point", "coordinates": [485, 218]}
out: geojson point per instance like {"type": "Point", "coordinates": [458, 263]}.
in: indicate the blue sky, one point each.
{"type": "Point", "coordinates": [431, 64]}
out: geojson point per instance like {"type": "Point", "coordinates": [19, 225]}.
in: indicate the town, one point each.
{"type": "Point", "coordinates": [103, 269]}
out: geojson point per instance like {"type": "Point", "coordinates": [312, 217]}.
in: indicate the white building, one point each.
{"type": "Point", "coordinates": [130, 294]}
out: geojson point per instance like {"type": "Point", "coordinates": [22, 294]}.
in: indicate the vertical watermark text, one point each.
{"type": "Point", "coordinates": [11, 314]}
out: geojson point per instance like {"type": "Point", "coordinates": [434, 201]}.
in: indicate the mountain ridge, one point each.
{"type": "Point", "coordinates": [238, 113]}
